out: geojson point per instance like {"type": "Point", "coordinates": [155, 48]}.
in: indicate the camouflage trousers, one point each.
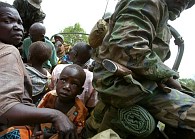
{"type": "Point", "coordinates": [175, 109]}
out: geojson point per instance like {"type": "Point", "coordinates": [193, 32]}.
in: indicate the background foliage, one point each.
{"type": "Point", "coordinates": [74, 34]}
{"type": "Point", "coordinates": [190, 83]}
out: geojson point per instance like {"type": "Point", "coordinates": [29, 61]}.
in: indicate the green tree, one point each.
{"type": "Point", "coordinates": [74, 34]}
{"type": "Point", "coordinates": [190, 83]}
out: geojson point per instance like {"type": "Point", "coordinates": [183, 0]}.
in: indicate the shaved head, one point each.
{"type": "Point", "coordinates": [37, 32]}
{"type": "Point", "coordinates": [38, 27]}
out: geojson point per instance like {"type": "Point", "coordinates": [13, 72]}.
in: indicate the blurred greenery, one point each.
{"type": "Point", "coordinates": [190, 83]}
{"type": "Point", "coordinates": [74, 34]}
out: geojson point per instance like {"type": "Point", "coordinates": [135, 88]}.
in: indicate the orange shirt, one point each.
{"type": "Point", "coordinates": [77, 114]}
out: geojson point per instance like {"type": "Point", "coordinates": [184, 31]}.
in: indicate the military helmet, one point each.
{"type": "Point", "coordinates": [107, 16]}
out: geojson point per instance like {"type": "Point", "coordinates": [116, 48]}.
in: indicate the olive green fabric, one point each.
{"type": "Point", "coordinates": [107, 134]}
{"type": "Point", "coordinates": [140, 44]}
{"type": "Point", "coordinates": [120, 91]}
{"type": "Point", "coordinates": [94, 121]}
{"type": "Point", "coordinates": [128, 121]}
{"type": "Point", "coordinates": [132, 121]}
{"type": "Point", "coordinates": [135, 120]}
{"type": "Point", "coordinates": [139, 40]}
{"type": "Point", "coordinates": [175, 108]}
{"type": "Point", "coordinates": [97, 33]}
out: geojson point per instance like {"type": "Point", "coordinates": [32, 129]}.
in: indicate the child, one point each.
{"type": "Point", "coordinates": [80, 54]}
{"type": "Point", "coordinates": [69, 85]}
{"type": "Point", "coordinates": [15, 86]}
{"type": "Point", "coordinates": [39, 52]}
{"type": "Point", "coordinates": [37, 33]}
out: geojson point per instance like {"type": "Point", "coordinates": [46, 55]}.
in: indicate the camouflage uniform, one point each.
{"type": "Point", "coordinates": [138, 38]}
{"type": "Point", "coordinates": [97, 33]}
{"type": "Point", "coordinates": [28, 13]}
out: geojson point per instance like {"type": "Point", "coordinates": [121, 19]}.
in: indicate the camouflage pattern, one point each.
{"type": "Point", "coordinates": [128, 121]}
{"type": "Point", "coordinates": [140, 44]}
{"type": "Point", "coordinates": [138, 38]}
{"type": "Point", "coordinates": [28, 13]}
{"type": "Point", "coordinates": [175, 108]}
{"type": "Point", "coordinates": [97, 33]}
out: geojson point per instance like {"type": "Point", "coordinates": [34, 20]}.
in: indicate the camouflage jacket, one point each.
{"type": "Point", "coordinates": [138, 38]}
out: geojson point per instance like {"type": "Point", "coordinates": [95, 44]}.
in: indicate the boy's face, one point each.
{"type": "Point", "coordinates": [69, 84]}
{"type": "Point", "coordinates": [37, 35]}
{"type": "Point", "coordinates": [11, 29]}
{"type": "Point", "coordinates": [73, 54]}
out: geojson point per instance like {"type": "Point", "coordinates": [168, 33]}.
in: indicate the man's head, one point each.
{"type": "Point", "coordinates": [80, 53]}
{"type": "Point", "coordinates": [37, 32]}
{"type": "Point", "coordinates": [175, 7]}
{"type": "Point", "coordinates": [59, 44]}
{"type": "Point", "coordinates": [59, 48]}
{"type": "Point", "coordinates": [59, 37]}
{"type": "Point", "coordinates": [39, 52]}
{"type": "Point", "coordinates": [70, 83]}
{"type": "Point", "coordinates": [11, 29]}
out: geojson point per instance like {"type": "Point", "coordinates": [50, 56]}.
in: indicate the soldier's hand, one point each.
{"type": "Point", "coordinates": [172, 83]}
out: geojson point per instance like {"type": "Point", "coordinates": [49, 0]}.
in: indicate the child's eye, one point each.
{"type": "Point", "coordinates": [7, 21]}
{"type": "Point", "coordinates": [74, 85]}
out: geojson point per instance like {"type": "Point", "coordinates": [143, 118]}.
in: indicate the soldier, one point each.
{"type": "Point", "coordinates": [135, 29]}
{"type": "Point", "coordinates": [30, 12]}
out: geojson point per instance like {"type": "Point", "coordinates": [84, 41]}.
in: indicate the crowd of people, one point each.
{"type": "Point", "coordinates": [53, 90]}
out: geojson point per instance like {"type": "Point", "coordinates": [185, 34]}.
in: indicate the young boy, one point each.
{"type": "Point", "coordinates": [80, 54]}
{"type": "Point", "coordinates": [37, 33]}
{"type": "Point", "coordinates": [39, 52]}
{"type": "Point", "coordinates": [69, 85]}
{"type": "Point", "coordinates": [15, 87]}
